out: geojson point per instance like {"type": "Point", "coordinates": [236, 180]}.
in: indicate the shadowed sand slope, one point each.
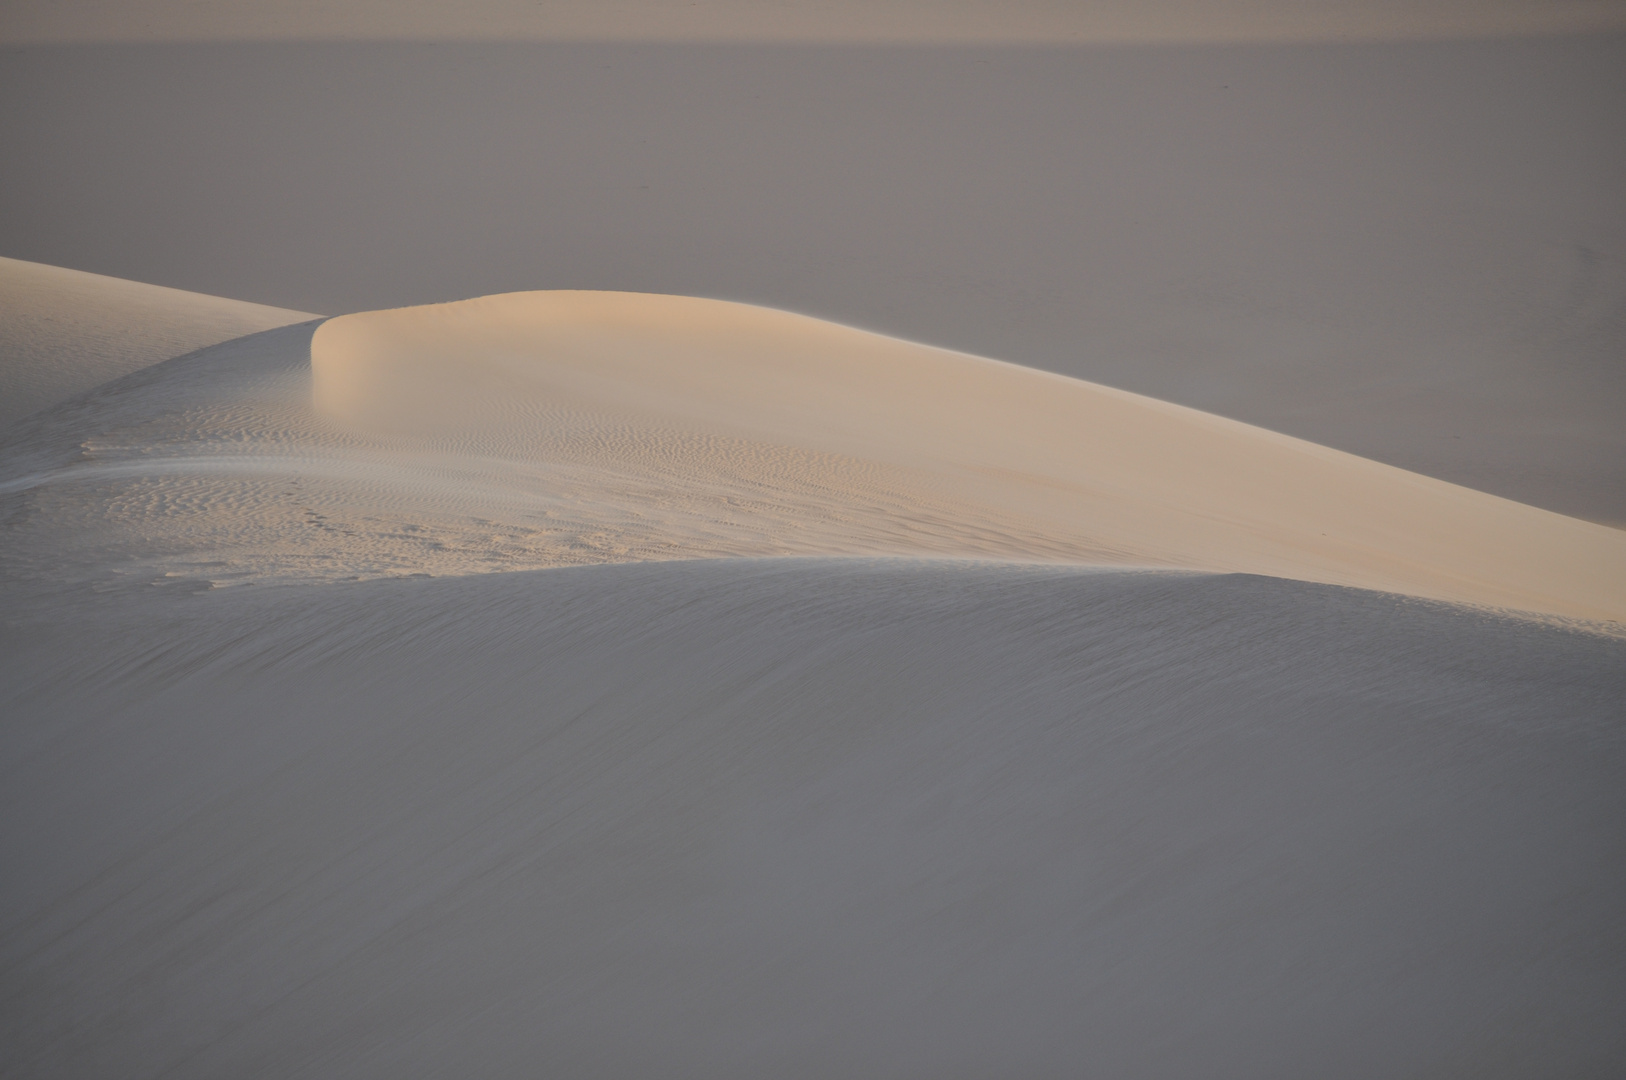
{"type": "Point", "coordinates": [807, 818]}
{"type": "Point", "coordinates": [979, 457]}
{"type": "Point", "coordinates": [63, 331]}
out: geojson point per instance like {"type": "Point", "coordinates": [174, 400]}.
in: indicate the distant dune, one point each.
{"type": "Point", "coordinates": [64, 331]}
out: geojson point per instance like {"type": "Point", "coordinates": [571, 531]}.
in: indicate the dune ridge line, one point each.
{"type": "Point", "coordinates": [1046, 466]}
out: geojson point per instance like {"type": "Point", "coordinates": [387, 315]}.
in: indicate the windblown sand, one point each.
{"type": "Point", "coordinates": [937, 716]}
{"type": "Point", "coordinates": [547, 429]}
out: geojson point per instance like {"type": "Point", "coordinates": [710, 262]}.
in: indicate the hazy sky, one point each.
{"type": "Point", "coordinates": [1057, 21]}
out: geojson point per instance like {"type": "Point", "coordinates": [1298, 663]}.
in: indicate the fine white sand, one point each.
{"type": "Point", "coordinates": [958, 810]}
{"type": "Point", "coordinates": [63, 331]}
{"type": "Point", "coordinates": [925, 715]}
{"type": "Point", "coordinates": [803, 818]}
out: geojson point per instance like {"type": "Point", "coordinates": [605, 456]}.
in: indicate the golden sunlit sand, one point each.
{"type": "Point", "coordinates": [532, 430]}
{"type": "Point", "coordinates": [852, 440]}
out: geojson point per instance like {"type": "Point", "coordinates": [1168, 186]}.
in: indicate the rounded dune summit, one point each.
{"type": "Point", "coordinates": [816, 437]}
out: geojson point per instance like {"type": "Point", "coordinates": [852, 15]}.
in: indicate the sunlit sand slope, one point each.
{"type": "Point", "coordinates": [802, 818]}
{"type": "Point", "coordinates": [757, 431]}
{"type": "Point", "coordinates": [63, 331]}
{"type": "Point", "coordinates": [548, 429]}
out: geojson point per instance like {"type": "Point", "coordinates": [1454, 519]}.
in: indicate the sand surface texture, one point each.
{"type": "Point", "coordinates": [617, 684]}
{"type": "Point", "coordinates": [807, 818]}
{"type": "Point", "coordinates": [64, 332]}
{"type": "Point", "coordinates": [544, 429]}
{"type": "Point", "coordinates": [917, 795]}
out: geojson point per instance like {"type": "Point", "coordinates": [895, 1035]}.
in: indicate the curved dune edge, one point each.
{"type": "Point", "coordinates": [975, 456]}
{"type": "Point", "coordinates": [66, 331]}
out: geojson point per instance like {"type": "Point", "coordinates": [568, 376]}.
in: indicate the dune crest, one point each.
{"type": "Point", "coordinates": [66, 331]}
{"type": "Point", "coordinates": [988, 458]}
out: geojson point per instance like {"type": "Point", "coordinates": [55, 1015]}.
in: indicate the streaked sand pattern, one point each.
{"type": "Point", "coordinates": [807, 818]}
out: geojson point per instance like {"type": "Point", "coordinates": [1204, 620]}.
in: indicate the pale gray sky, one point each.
{"type": "Point", "coordinates": [924, 21]}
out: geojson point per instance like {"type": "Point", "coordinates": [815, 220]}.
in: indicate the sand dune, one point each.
{"type": "Point", "coordinates": [845, 706]}
{"type": "Point", "coordinates": [64, 331]}
{"type": "Point", "coordinates": [547, 429]}
{"type": "Point", "coordinates": [960, 810]}
{"type": "Point", "coordinates": [987, 458]}
{"type": "Point", "coordinates": [806, 818]}
{"type": "Point", "coordinates": [1411, 252]}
